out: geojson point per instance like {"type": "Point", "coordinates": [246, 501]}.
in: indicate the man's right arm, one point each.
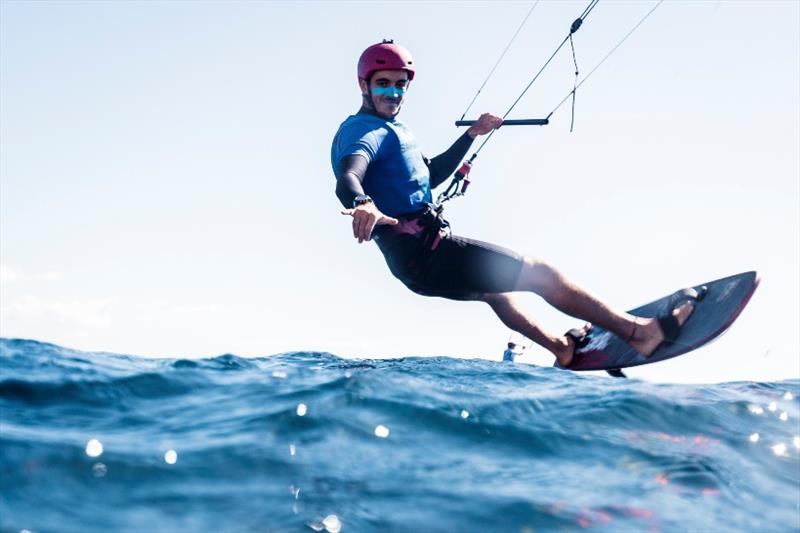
{"type": "Point", "coordinates": [349, 177]}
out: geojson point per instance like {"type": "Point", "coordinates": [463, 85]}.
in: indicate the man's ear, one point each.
{"type": "Point", "coordinates": [364, 86]}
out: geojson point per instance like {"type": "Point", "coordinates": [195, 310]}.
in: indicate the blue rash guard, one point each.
{"type": "Point", "coordinates": [397, 178]}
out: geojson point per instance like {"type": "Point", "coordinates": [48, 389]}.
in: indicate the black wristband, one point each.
{"type": "Point", "coordinates": [361, 199]}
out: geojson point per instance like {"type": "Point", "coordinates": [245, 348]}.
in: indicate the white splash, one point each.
{"type": "Point", "coordinates": [332, 524]}
{"type": "Point", "coordinates": [171, 457]}
{"type": "Point", "coordinates": [94, 448]}
{"type": "Point", "coordinates": [779, 449]}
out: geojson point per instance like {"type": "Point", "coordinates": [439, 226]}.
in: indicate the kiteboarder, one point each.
{"type": "Point", "coordinates": [384, 182]}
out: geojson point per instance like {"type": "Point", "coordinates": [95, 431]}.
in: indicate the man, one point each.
{"type": "Point", "coordinates": [385, 183]}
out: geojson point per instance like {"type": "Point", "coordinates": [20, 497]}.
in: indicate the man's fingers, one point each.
{"type": "Point", "coordinates": [360, 232]}
{"type": "Point", "coordinates": [490, 121]}
{"type": "Point", "coordinates": [364, 222]}
{"type": "Point", "coordinates": [358, 222]}
{"type": "Point", "coordinates": [370, 225]}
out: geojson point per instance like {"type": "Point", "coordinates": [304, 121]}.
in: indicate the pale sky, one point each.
{"type": "Point", "coordinates": [165, 185]}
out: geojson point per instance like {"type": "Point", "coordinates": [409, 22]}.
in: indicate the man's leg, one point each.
{"type": "Point", "coordinates": [543, 279]}
{"type": "Point", "coordinates": [507, 310]}
{"type": "Point", "coordinates": [644, 334]}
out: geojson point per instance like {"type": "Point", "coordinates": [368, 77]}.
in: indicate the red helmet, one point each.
{"type": "Point", "coordinates": [385, 56]}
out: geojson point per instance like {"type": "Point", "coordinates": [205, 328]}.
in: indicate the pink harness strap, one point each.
{"type": "Point", "coordinates": [412, 226]}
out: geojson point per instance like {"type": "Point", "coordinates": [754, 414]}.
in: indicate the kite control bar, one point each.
{"type": "Point", "coordinates": [511, 122]}
{"type": "Point", "coordinates": [462, 174]}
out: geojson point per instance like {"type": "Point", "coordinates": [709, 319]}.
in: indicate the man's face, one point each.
{"type": "Point", "coordinates": [387, 90]}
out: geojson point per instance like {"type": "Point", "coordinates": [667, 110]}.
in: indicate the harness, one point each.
{"type": "Point", "coordinates": [426, 224]}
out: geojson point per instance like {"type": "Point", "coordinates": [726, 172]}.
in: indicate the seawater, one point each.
{"type": "Point", "coordinates": [312, 442]}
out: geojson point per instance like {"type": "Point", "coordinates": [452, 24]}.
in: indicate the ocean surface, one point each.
{"type": "Point", "coordinates": [312, 442]}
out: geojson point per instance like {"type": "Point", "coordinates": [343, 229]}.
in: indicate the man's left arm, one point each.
{"type": "Point", "coordinates": [443, 165]}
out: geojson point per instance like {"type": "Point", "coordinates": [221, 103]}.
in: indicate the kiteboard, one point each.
{"type": "Point", "coordinates": [722, 303]}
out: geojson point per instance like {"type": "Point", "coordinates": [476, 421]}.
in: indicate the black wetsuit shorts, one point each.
{"type": "Point", "coordinates": [458, 268]}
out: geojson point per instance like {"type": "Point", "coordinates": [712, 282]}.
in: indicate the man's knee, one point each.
{"type": "Point", "coordinates": [537, 275]}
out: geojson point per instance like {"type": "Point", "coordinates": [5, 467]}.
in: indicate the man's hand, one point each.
{"type": "Point", "coordinates": [365, 218]}
{"type": "Point", "coordinates": [486, 123]}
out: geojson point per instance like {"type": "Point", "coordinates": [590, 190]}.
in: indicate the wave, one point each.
{"type": "Point", "coordinates": [310, 441]}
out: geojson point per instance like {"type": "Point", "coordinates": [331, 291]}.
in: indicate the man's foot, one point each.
{"type": "Point", "coordinates": [564, 349]}
{"type": "Point", "coordinates": [649, 333]}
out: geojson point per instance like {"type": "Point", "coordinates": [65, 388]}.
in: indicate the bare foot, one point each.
{"type": "Point", "coordinates": [564, 348]}
{"type": "Point", "coordinates": [648, 335]}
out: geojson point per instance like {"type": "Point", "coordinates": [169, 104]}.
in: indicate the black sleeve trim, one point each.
{"type": "Point", "coordinates": [349, 177]}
